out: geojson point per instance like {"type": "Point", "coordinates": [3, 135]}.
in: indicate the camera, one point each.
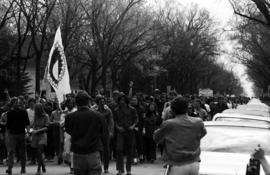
{"type": "Point", "coordinates": [253, 167]}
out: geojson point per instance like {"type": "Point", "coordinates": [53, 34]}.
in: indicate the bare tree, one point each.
{"type": "Point", "coordinates": [5, 11]}
{"type": "Point", "coordinates": [255, 10]}
{"type": "Point", "coordinates": [37, 13]}
{"type": "Point", "coordinates": [116, 30]}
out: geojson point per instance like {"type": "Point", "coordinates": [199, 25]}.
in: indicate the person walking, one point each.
{"type": "Point", "coordinates": [67, 153]}
{"type": "Point", "coordinates": [138, 131]}
{"type": "Point", "coordinates": [150, 124]}
{"type": "Point", "coordinates": [125, 121]}
{"type": "Point", "coordinates": [58, 133]}
{"type": "Point", "coordinates": [107, 114]}
{"type": "Point", "coordinates": [31, 152]}
{"type": "Point", "coordinates": [39, 135]}
{"type": "Point", "coordinates": [181, 137]}
{"type": "Point", "coordinates": [87, 128]}
{"type": "Point", "coordinates": [17, 122]}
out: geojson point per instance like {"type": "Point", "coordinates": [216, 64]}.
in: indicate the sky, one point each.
{"type": "Point", "coordinates": [222, 12]}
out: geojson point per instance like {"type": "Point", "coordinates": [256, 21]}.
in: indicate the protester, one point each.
{"type": "Point", "coordinates": [199, 111]}
{"type": "Point", "coordinates": [130, 128]}
{"type": "Point", "coordinates": [159, 100]}
{"type": "Point", "coordinates": [181, 136]}
{"type": "Point", "coordinates": [167, 114]}
{"type": "Point", "coordinates": [39, 135]}
{"type": "Point", "coordinates": [58, 134]}
{"type": "Point", "coordinates": [113, 104]}
{"type": "Point", "coordinates": [107, 115]}
{"type": "Point", "coordinates": [17, 122]}
{"type": "Point", "coordinates": [31, 152]}
{"type": "Point", "coordinates": [150, 125]}
{"type": "Point", "coordinates": [48, 107]}
{"type": "Point", "coordinates": [138, 131]}
{"type": "Point", "coordinates": [3, 122]}
{"type": "Point", "coordinates": [125, 121]}
{"type": "Point", "coordinates": [2, 136]}
{"type": "Point", "coordinates": [70, 108]}
{"type": "Point", "coordinates": [86, 128]}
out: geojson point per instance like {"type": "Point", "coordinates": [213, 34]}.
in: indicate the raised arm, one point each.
{"type": "Point", "coordinates": [130, 92]}
{"type": "Point", "coordinates": [259, 155]}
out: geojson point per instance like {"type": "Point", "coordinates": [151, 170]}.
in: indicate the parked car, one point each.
{"type": "Point", "coordinates": [254, 107]}
{"type": "Point", "coordinates": [247, 112]}
{"type": "Point", "coordinates": [234, 117]}
{"type": "Point", "coordinates": [227, 147]}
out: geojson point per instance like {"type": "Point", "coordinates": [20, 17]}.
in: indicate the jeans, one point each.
{"type": "Point", "coordinates": [2, 147]}
{"type": "Point", "coordinates": [124, 144]}
{"type": "Point", "coordinates": [57, 143]}
{"type": "Point", "coordinates": [16, 141]}
{"type": "Point", "coordinates": [139, 143]}
{"type": "Point", "coordinates": [49, 149]}
{"type": "Point", "coordinates": [87, 164]}
{"type": "Point", "coordinates": [149, 148]}
{"type": "Point", "coordinates": [189, 169]}
{"type": "Point", "coordinates": [106, 158]}
{"type": "Point", "coordinates": [31, 153]}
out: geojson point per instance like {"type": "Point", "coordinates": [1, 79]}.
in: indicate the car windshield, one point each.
{"type": "Point", "coordinates": [260, 122]}
{"type": "Point", "coordinates": [235, 139]}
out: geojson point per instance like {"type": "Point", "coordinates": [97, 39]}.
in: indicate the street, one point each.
{"type": "Point", "coordinates": [53, 169]}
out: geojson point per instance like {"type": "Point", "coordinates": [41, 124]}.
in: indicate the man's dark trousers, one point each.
{"type": "Point", "coordinates": [124, 144]}
{"type": "Point", "coordinates": [87, 164]}
{"type": "Point", "coordinates": [16, 140]}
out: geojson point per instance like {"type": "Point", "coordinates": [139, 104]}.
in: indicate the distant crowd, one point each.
{"type": "Point", "coordinates": [45, 137]}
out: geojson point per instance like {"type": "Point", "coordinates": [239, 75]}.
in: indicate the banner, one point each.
{"type": "Point", "coordinates": [206, 92]}
{"type": "Point", "coordinates": [56, 71]}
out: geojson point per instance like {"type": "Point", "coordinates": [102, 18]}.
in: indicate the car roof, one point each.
{"type": "Point", "coordinates": [254, 100]}
{"type": "Point", "coordinates": [246, 112]}
{"type": "Point", "coordinates": [242, 116]}
{"type": "Point", "coordinates": [236, 124]}
{"type": "Point", "coordinates": [257, 107]}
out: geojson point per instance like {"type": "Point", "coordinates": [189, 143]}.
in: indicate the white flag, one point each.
{"type": "Point", "coordinates": [57, 71]}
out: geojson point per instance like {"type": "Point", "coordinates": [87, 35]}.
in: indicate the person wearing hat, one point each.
{"type": "Point", "coordinates": [181, 136]}
{"type": "Point", "coordinates": [87, 128]}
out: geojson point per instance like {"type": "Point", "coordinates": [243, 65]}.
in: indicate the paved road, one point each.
{"type": "Point", "coordinates": [53, 169]}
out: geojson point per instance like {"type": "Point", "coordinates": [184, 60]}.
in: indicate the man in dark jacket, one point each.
{"type": "Point", "coordinates": [125, 121]}
{"type": "Point", "coordinates": [17, 122]}
{"type": "Point", "coordinates": [107, 115]}
{"type": "Point", "coordinates": [87, 128]}
{"type": "Point", "coordinates": [181, 136]}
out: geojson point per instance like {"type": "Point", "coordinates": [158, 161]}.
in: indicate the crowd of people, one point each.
{"type": "Point", "coordinates": [36, 130]}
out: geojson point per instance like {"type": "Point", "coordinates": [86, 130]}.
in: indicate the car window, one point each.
{"type": "Point", "coordinates": [235, 139]}
{"type": "Point", "coordinates": [242, 120]}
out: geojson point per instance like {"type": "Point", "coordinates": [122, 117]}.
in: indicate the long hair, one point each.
{"type": "Point", "coordinates": [39, 111]}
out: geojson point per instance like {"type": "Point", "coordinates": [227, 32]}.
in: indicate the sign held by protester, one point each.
{"type": "Point", "coordinates": [206, 92]}
{"type": "Point", "coordinates": [57, 71]}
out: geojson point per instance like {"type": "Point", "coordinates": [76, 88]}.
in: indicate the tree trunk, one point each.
{"type": "Point", "coordinates": [113, 78]}
{"type": "Point", "coordinates": [38, 73]}
{"type": "Point", "coordinates": [93, 82]}
{"type": "Point", "coordinates": [104, 80]}
{"type": "Point", "coordinates": [18, 75]}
